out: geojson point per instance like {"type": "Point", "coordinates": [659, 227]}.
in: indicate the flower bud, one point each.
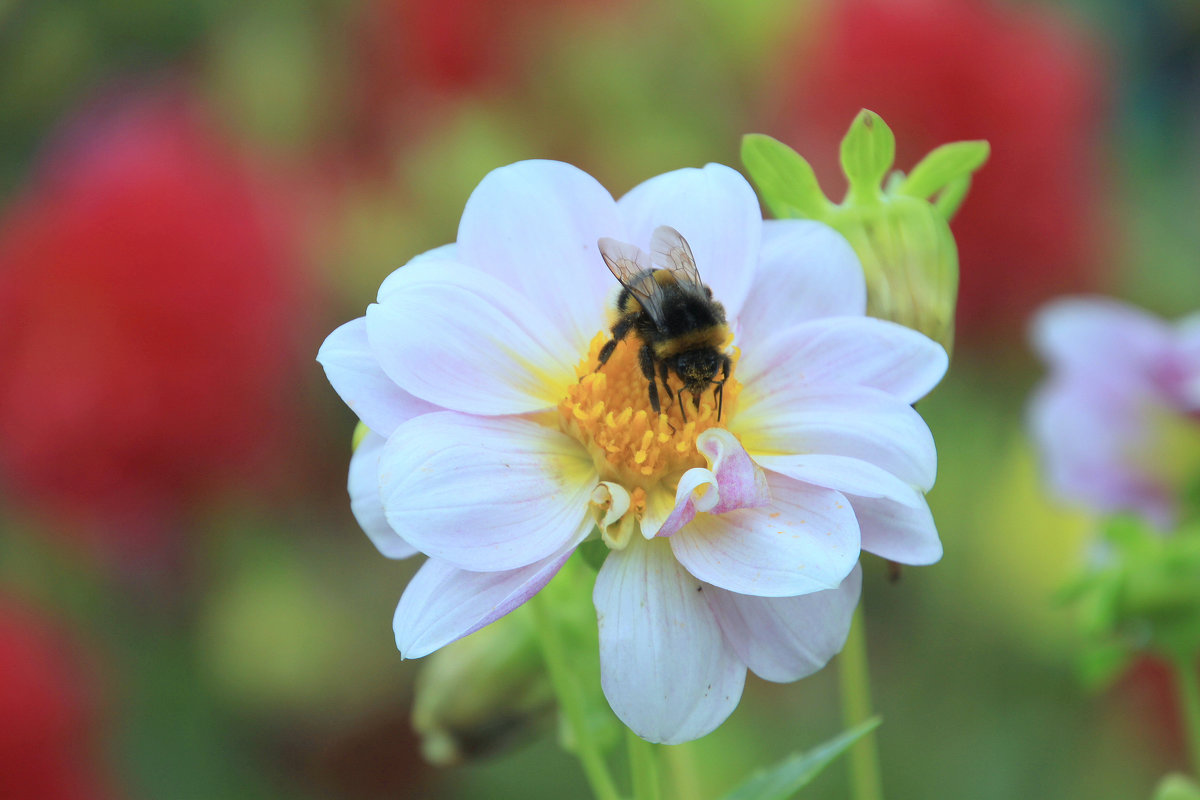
{"type": "Point", "coordinates": [483, 693]}
{"type": "Point", "coordinates": [898, 226]}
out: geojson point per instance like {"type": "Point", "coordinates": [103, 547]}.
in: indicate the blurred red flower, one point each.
{"type": "Point", "coordinates": [149, 287]}
{"type": "Point", "coordinates": [49, 736]}
{"type": "Point", "coordinates": [945, 70]}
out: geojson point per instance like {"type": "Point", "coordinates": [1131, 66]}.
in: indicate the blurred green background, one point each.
{"type": "Point", "coordinates": [192, 194]}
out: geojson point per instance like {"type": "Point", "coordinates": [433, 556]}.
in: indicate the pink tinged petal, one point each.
{"type": "Point", "coordinates": [446, 256]}
{"type": "Point", "coordinates": [807, 540]}
{"type": "Point", "coordinates": [485, 493]}
{"type": "Point", "coordinates": [460, 338]}
{"type": "Point", "coordinates": [718, 214]}
{"type": "Point", "coordinates": [363, 485]}
{"type": "Point", "coordinates": [732, 481]}
{"type": "Point", "coordinates": [355, 374]}
{"type": "Point", "coordinates": [443, 603]}
{"type": "Point", "coordinates": [806, 271]}
{"type": "Point", "coordinates": [846, 475]}
{"type": "Point", "coordinates": [664, 665]}
{"type": "Point", "coordinates": [901, 533]}
{"type": "Point", "coordinates": [784, 639]}
{"type": "Point", "coordinates": [697, 491]}
{"type": "Point", "coordinates": [740, 482]}
{"type": "Point", "coordinates": [534, 226]}
{"type": "Point", "coordinates": [858, 351]}
{"type": "Point", "coordinates": [1097, 333]}
{"type": "Point", "coordinates": [851, 421]}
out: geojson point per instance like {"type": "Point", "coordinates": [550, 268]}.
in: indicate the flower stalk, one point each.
{"type": "Point", "coordinates": [855, 685]}
{"type": "Point", "coordinates": [570, 699]}
{"type": "Point", "coordinates": [1189, 691]}
{"type": "Point", "coordinates": [643, 767]}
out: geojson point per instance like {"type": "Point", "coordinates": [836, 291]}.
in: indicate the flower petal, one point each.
{"type": "Point", "coordinates": [1093, 333]}
{"type": "Point", "coordinates": [534, 225]}
{"type": "Point", "coordinates": [485, 493]}
{"type": "Point", "coordinates": [664, 666]}
{"type": "Point", "coordinates": [805, 541]}
{"type": "Point", "coordinates": [784, 639]}
{"type": "Point", "coordinates": [859, 351]}
{"type": "Point", "coordinates": [716, 211]}
{"type": "Point", "coordinates": [806, 270]}
{"type": "Point", "coordinates": [363, 485]}
{"type": "Point", "coordinates": [853, 421]}
{"type": "Point", "coordinates": [393, 282]}
{"type": "Point", "coordinates": [443, 603]}
{"type": "Point", "coordinates": [359, 380]}
{"type": "Point", "coordinates": [901, 533]}
{"type": "Point", "coordinates": [457, 337]}
{"type": "Point", "coordinates": [846, 475]}
{"type": "Point", "coordinates": [732, 481]}
{"type": "Point", "coordinates": [659, 506]}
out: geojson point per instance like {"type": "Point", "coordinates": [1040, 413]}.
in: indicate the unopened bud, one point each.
{"type": "Point", "coordinates": [483, 693]}
{"type": "Point", "coordinates": [897, 225]}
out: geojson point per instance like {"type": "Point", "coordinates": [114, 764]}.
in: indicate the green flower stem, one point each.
{"type": "Point", "coordinates": [643, 766]}
{"type": "Point", "coordinates": [683, 780]}
{"type": "Point", "coordinates": [1189, 689]}
{"type": "Point", "coordinates": [570, 700]}
{"type": "Point", "coordinates": [855, 684]}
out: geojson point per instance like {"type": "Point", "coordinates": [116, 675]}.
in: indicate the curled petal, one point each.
{"type": "Point", "coordinates": [664, 665]}
{"type": "Point", "coordinates": [459, 338]}
{"type": "Point", "coordinates": [784, 639]}
{"type": "Point", "coordinates": [534, 226]}
{"type": "Point", "coordinates": [659, 506]}
{"type": "Point", "coordinates": [363, 485]}
{"type": "Point", "coordinates": [697, 491]}
{"type": "Point", "coordinates": [443, 603]}
{"type": "Point", "coordinates": [357, 377]}
{"type": "Point", "coordinates": [485, 493]}
{"type": "Point", "coordinates": [805, 541]}
{"type": "Point", "coordinates": [740, 482]}
{"type": "Point", "coordinates": [718, 214]}
{"type": "Point", "coordinates": [806, 271]}
{"type": "Point", "coordinates": [902, 533]}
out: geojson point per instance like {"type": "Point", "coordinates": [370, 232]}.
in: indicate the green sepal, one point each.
{"type": "Point", "coordinates": [785, 181]}
{"type": "Point", "coordinates": [944, 164]}
{"type": "Point", "coordinates": [868, 152]}
{"type": "Point", "coordinates": [1177, 787]}
{"type": "Point", "coordinates": [796, 771]}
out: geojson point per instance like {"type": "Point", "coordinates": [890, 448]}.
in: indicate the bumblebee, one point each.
{"type": "Point", "coordinates": [680, 325]}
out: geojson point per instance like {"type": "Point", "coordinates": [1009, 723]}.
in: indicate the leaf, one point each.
{"type": "Point", "coordinates": [796, 771]}
{"type": "Point", "coordinates": [785, 180]}
{"type": "Point", "coordinates": [868, 151]}
{"type": "Point", "coordinates": [943, 165]}
{"type": "Point", "coordinates": [952, 196]}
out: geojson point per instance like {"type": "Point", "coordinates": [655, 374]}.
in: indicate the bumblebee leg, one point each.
{"type": "Point", "coordinates": [682, 413]}
{"type": "Point", "coordinates": [662, 373]}
{"type": "Point", "coordinates": [619, 331]}
{"type": "Point", "coordinates": [726, 366]}
{"type": "Point", "coordinates": [646, 361]}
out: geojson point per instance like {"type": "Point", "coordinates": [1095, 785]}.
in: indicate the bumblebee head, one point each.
{"type": "Point", "coordinates": [697, 368]}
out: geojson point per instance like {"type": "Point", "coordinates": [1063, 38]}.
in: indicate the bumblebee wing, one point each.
{"type": "Point", "coordinates": [671, 252]}
{"type": "Point", "coordinates": [633, 269]}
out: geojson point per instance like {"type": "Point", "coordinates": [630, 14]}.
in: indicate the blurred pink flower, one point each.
{"type": "Point", "coordinates": [49, 739]}
{"type": "Point", "coordinates": [497, 445]}
{"type": "Point", "coordinates": [945, 70]}
{"type": "Point", "coordinates": [150, 289]}
{"type": "Point", "coordinates": [1118, 419]}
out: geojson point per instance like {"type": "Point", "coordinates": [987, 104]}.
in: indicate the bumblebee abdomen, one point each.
{"type": "Point", "coordinates": [710, 336]}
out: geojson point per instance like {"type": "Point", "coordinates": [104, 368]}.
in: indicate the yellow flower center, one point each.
{"type": "Point", "coordinates": [608, 410]}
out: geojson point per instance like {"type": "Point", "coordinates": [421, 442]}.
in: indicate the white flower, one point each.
{"type": "Point", "coordinates": [1118, 419]}
{"type": "Point", "coordinates": [496, 446]}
